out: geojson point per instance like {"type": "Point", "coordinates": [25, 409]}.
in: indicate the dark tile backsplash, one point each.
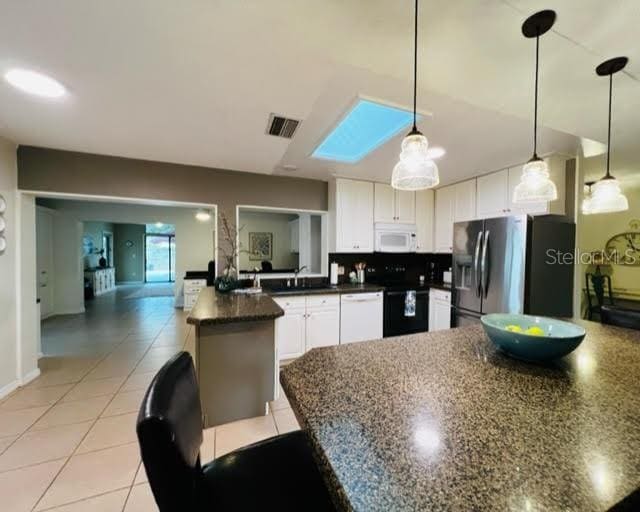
{"type": "Point", "coordinates": [379, 265]}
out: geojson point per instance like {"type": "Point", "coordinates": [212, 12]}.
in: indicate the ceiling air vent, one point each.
{"type": "Point", "coordinates": [280, 126]}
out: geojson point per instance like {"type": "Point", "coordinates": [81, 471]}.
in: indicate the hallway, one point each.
{"type": "Point", "coordinates": [67, 439]}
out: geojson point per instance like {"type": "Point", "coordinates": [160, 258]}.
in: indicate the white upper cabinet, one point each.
{"type": "Point", "coordinates": [493, 191]}
{"type": "Point", "coordinates": [465, 201]}
{"type": "Point", "coordinates": [444, 218]}
{"type": "Point", "coordinates": [394, 205]}
{"type": "Point", "coordinates": [424, 220]}
{"type": "Point", "coordinates": [351, 215]}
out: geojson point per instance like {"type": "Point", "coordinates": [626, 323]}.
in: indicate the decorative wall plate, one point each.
{"type": "Point", "coordinates": [129, 243]}
{"type": "Point", "coordinates": [3, 205]}
{"type": "Point", "coordinates": [3, 224]}
{"type": "Point", "coordinates": [3, 244]}
{"type": "Point", "coordinates": [624, 248]}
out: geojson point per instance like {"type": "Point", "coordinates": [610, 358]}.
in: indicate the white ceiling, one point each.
{"type": "Point", "coordinates": [194, 81]}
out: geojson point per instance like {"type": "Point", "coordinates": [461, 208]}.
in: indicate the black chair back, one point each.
{"type": "Point", "coordinates": [170, 435]}
{"type": "Point", "coordinates": [629, 318]}
{"type": "Point", "coordinates": [602, 290]}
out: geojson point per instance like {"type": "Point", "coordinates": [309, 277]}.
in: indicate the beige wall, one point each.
{"type": "Point", "coordinates": [595, 230]}
{"type": "Point", "coordinates": [51, 170]}
{"type": "Point", "coordinates": [9, 286]}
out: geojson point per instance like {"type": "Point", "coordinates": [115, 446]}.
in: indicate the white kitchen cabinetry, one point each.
{"type": "Point", "coordinates": [424, 220]}
{"type": "Point", "coordinates": [439, 310]}
{"type": "Point", "coordinates": [495, 192]}
{"type": "Point", "coordinates": [393, 206]}
{"type": "Point", "coordinates": [351, 205]}
{"type": "Point", "coordinates": [444, 218]}
{"type": "Point", "coordinates": [465, 201]}
{"type": "Point", "coordinates": [308, 322]}
{"type": "Point", "coordinates": [361, 317]}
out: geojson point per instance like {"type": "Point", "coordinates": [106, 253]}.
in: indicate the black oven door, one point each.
{"type": "Point", "coordinates": [395, 321]}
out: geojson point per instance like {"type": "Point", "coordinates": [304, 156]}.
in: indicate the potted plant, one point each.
{"type": "Point", "coordinates": [229, 248]}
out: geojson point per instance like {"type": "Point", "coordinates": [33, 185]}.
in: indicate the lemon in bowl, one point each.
{"type": "Point", "coordinates": [532, 338]}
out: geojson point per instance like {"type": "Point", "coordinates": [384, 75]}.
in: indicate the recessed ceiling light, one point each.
{"type": "Point", "coordinates": [435, 152]}
{"type": "Point", "coordinates": [203, 215]}
{"type": "Point", "coordinates": [36, 83]}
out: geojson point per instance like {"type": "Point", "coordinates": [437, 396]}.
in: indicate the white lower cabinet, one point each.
{"type": "Point", "coordinates": [308, 322]}
{"type": "Point", "coordinates": [439, 310]}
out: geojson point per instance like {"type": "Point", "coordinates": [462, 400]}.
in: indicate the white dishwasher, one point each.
{"type": "Point", "coordinates": [361, 316]}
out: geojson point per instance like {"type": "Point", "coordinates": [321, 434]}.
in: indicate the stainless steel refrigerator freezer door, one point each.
{"type": "Point", "coordinates": [461, 318]}
{"type": "Point", "coordinates": [467, 245]}
{"type": "Point", "coordinates": [502, 264]}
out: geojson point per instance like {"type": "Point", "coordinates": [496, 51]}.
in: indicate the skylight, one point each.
{"type": "Point", "coordinates": [366, 126]}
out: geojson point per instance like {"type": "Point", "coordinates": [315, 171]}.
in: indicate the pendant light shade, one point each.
{"type": "Point", "coordinates": [535, 185]}
{"type": "Point", "coordinates": [607, 197]}
{"type": "Point", "coordinates": [415, 170]}
{"type": "Point", "coordinates": [587, 200]}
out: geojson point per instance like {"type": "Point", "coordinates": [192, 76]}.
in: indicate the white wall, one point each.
{"type": "Point", "coordinates": [194, 239]}
{"type": "Point", "coordinates": [8, 286]}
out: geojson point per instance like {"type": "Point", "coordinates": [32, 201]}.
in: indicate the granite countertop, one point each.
{"type": "Point", "coordinates": [341, 288]}
{"type": "Point", "coordinates": [218, 308]}
{"type": "Point", "coordinates": [442, 421]}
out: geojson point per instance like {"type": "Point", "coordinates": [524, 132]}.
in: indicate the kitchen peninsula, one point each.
{"type": "Point", "coordinates": [442, 421]}
{"type": "Point", "coordinates": [235, 354]}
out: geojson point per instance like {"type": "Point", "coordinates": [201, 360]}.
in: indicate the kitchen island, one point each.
{"type": "Point", "coordinates": [442, 421]}
{"type": "Point", "coordinates": [236, 360]}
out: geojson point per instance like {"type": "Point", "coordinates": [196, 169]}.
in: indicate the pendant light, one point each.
{"type": "Point", "coordinates": [415, 170]}
{"type": "Point", "coordinates": [535, 185]}
{"type": "Point", "coordinates": [587, 203]}
{"type": "Point", "coordinates": [607, 196]}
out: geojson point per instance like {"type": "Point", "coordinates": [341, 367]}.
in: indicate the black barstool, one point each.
{"type": "Point", "coordinates": [613, 315]}
{"type": "Point", "coordinates": [169, 429]}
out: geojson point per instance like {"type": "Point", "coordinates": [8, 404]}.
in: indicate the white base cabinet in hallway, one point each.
{"type": "Point", "coordinates": [308, 322]}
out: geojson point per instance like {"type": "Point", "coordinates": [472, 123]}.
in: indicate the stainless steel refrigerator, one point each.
{"type": "Point", "coordinates": [515, 264]}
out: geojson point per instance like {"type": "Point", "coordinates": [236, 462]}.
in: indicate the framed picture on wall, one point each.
{"type": "Point", "coordinates": [260, 246]}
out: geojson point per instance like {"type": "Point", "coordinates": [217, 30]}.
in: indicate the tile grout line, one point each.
{"type": "Point", "coordinates": [94, 422]}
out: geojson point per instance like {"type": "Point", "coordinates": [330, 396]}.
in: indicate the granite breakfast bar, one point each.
{"type": "Point", "coordinates": [236, 358]}
{"type": "Point", "coordinates": [442, 421]}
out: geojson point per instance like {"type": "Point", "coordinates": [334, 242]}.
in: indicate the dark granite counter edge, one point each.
{"type": "Point", "coordinates": [235, 319]}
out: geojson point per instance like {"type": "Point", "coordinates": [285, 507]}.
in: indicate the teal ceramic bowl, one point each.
{"type": "Point", "coordinates": [558, 339]}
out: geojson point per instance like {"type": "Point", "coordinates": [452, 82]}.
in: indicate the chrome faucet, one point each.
{"type": "Point", "coordinates": [295, 275]}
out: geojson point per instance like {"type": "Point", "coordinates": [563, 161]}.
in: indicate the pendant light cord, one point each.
{"type": "Point", "coordinates": [535, 104]}
{"type": "Point", "coordinates": [609, 127]}
{"type": "Point", "coordinates": [415, 66]}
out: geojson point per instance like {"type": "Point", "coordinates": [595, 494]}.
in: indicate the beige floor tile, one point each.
{"type": "Point", "coordinates": [43, 445]}
{"type": "Point", "coordinates": [117, 367]}
{"type": "Point", "coordinates": [152, 365]}
{"type": "Point", "coordinates": [141, 475]}
{"type": "Point", "coordinates": [20, 489]}
{"type": "Point", "coordinates": [90, 388]}
{"type": "Point", "coordinates": [59, 376]}
{"type": "Point", "coordinates": [141, 500]}
{"type": "Point", "coordinates": [285, 421]}
{"type": "Point", "coordinates": [93, 473]}
{"type": "Point", "coordinates": [111, 431]}
{"type": "Point", "coordinates": [138, 381]}
{"type": "Point", "coordinates": [16, 422]}
{"type": "Point", "coordinates": [208, 448]}
{"type": "Point", "coordinates": [26, 398]}
{"type": "Point", "coordinates": [122, 403]}
{"type": "Point", "coordinates": [72, 412]}
{"type": "Point", "coordinates": [241, 433]}
{"type": "Point", "coordinates": [280, 403]}
{"type": "Point", "coordinates": [110, 502]}
{"type": "Point", "coordinates": [5, 442]}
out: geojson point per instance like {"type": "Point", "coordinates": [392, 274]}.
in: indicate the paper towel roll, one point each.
{"type": "Point", "coordinates": [333, 274]}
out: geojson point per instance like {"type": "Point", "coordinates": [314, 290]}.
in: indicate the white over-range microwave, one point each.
{"type": "Point", "coordinates": [395, 237]}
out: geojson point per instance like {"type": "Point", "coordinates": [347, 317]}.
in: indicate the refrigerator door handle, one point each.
{"type": "Point", "coordinates": [483, 265]}
{"type": "Point", "coordinates": [476, 260]}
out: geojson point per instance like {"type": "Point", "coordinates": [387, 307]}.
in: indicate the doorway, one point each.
{"type": "Point", "coordinates": [160, 258]}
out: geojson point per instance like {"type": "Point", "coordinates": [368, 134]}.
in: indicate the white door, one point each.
{"type": "Point", "coordinates": [385, 203]}
{"type": "Point", "coordinates": [323, 327]}
{"type": "Point", "coordinates": [465, 202]}
{"type": "Point", "coordinates": [44, 261]}
{"type": "Point", "coordinates": [405, 207]}
{"type": "Point", "coordinates": [362, 220]}
{"type": "Point", "coordinates": [290, 333]}
{"type": "Point", "coordinates": [424, 220]}
{"type": "Point", "coordinates": [445, 199]}
{"type": "Point", "coordinates": [492, 196]}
